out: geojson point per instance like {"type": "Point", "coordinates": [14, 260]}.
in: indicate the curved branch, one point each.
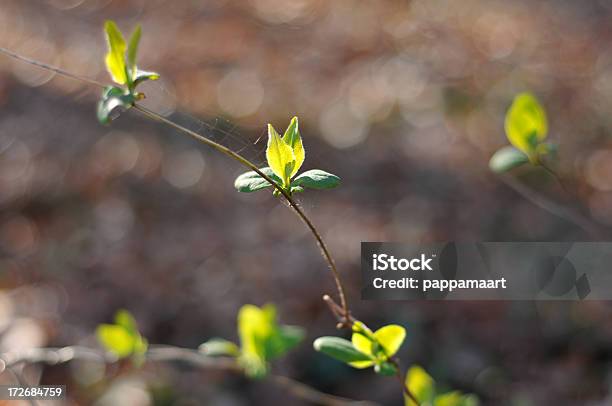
{"type": "Point", "coordinates": [296, 208]}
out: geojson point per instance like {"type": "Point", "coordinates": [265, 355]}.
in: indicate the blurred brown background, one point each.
{"type": "Point", "coordinates": [403, 100]}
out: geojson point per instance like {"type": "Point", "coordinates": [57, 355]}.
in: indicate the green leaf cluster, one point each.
{"type": "Point", "coordinates": [122, 338]}
{"type": "Point", "coordinates": [423, 387]}
{"type": "Point", "coordinates": [262, 340]}
{"type": "Point", "coordinates": [120, 63]}
{"type": "Point", "coordinates": [366, 348]}
{"type": "Point", "coordinates": [526, 127]}
{"type": "Point", "coordinates": [285, 156]}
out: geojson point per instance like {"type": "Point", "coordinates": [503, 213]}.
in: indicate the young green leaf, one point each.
{"type": "Point", "coordinates": [124, 319]}
{"type": "Point", "coordinates": [262, 339]}
{"type": "Point", "coordinates": [280, 156]}
{"type": "Point", "coordinates": [216, 347]}
{"type": "Point", "coordinates": [421, 385]}
{"type": "Point", "coordinates": [115, 58]}
{"type": "Point", "coordinates": [340, 349]}
{"type": "Point", "coordinates": [253, 330]}
{"type": "Point", "coordinates": [449, 399]}
{"type": "Point", "coordinates": [390, 338]}
{"type": "Point", "coordinates": [507, 158]}
{"type": "Point", "coordinates": [132, 51]}
{"type": "Point", "coordinates": [121, 59]}
{"type": "Point", "coordinates": [113, 98]}
{"type": "Point", "coordinates": [283, 339]}
{"type": "Point", "coordinates": [294, 140]}
{"type": "Point", "coordinates": [316, 179]}
{"type": "Point", "coordinates": [526, 124]}
{"type": "Point", "coordinates": [251, 181]}
{"type": "Point", "coordinates": [364, 345]}
{"type": "Point", "coordinates": [143, 75]}
{"type": "Point", "coordinates": [115, 339]}
{"type": "Point", "coordinates": [122, 338]}
{"type": "Point", "coordinates": [455, 398]}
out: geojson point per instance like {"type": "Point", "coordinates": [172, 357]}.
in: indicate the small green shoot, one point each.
{"type": "Point", "coordinates": [262, 340]}
{"type": "Point", "coordinates": [423, 387]}
{"type": "Point", "coordinates": [526, 128]}
{"type": "Point", "coordinates": [121, 65]}
{"type": "Point", "coordinates": [122, 339]}
{"type": "Point", "coordinates": [285, 156]}
{"type": "Point", "coordinates": [366, 348]}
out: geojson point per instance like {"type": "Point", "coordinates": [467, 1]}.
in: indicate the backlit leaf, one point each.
{"type": "Point", "coordinates": [294, 140]}
{"type": "Point", "coordinates": [390, 338]}
{"type": "Point", "coordinates": [115, 58]}
{"type": "Point", "coordinates": [132, 52]}
{"type": "Point", "coordinates": [280, 156]}
{"type": "Point", "coordinates": [116, 340]}
{"type": "Point", "coordinates": [526, 124]}
{"type": "Point", "coordinates": [454, 398]}
{"type": "Point", "coordinates": [420, 384]}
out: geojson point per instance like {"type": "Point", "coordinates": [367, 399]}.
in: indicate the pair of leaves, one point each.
{"type": "Point", "coordinates": [122, 338]}
{"type": "Point", "coordinates": [423, 387]}
{"type": "Point", "coordinates": [121, 58]}
{"type": "Point", "coordinates": [526, 127]}
{"type": "Point", "coordinates": [120, 63]}
{"type": "Point", "coordinates": [366, 348]}
{"type": "Point", "coordinates": [262, 340]}
{"type": "Point", "coordinates": [313, 179]}
{"type": "Point", "coordinates": [285, 156]}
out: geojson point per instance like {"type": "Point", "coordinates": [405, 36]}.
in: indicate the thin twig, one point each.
{"type": "Point", "coordinates": [51, 68]}
{"type": "Point", "coordinates": [163, 353]}
{"type": "Point", "coordinates": [557, 178]}
{"type": "Point", "coordinates": [236, 156]}
{"type": "Point", "coordinates": [305, 392]}
{"type": "Point", "coordinates": [553, 207]}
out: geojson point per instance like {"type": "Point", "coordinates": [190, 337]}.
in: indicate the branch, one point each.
{"type": "Point", "coordinates": [296, 208]}
{"type": "Point", "coordinates": [157, 117]}
{"type": "Point", "coordinates": [553, 207]}
{"type": "Point", "coordinates": [163, 353]}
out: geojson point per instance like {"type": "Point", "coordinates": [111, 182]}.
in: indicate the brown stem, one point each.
{"type": "Point", "coordinates": [309, 394]}
{"type": "Point", "coordinates": [236, 156]}
{"type": "Point", "coordinates": [402, 380]}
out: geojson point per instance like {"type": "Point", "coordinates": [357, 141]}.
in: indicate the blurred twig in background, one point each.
{"type": "Point", "coordinates": [165, 353]}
